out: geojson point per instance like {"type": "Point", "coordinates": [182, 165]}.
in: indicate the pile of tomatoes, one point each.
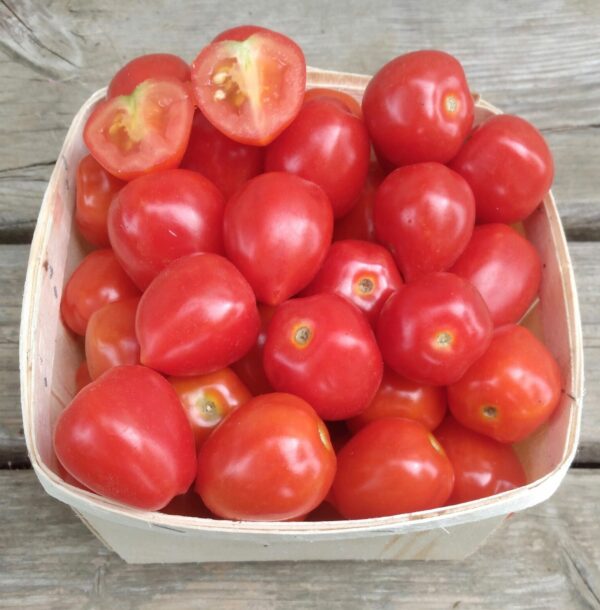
{"type": "Point", "coordinates": [300, 307]}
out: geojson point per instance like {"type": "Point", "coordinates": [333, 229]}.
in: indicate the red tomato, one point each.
{"type": "Point", "coordinates": [98, 280]}
{"type": "Point", "coordinates": [509, 166]}
{"type": "Point", "coordinates": [511, 390]}
{"type": "Point", "coordinates": [198, 315]}
{"type": "Point", "coordinates": [143, 132]}
{"type": "Point", "coordinates": [418, 108]}
{"type": "Point", "coordinates": [400, 397]}
{"type": "Point", "coordinates": [270, 460]}
{"type": "Point", "coordinates": [425, 213]}
{"type": "Point", "coordinates": [207, 399]}
{"type": "Point", "coordinates": [126, 437]}
{"type": "Point", "coordinates": [110, 337]}
{"type": "Point", "coordinates": [228, 164]}
{"type": "Point", "coordinates": [82, 376]}
{"type": "Point", "coordinates": [277, 231]}
{"type": "Point", "coordinates": [159, 66]}
{"type": "Point", "coordinates": [345, 99]}
{"type": "Point", "coordinates": [482, 466]}
{"type": "Point", "coordinates": [434, 328]}
{"type": "Point", "coordinates": [161, 217]}
{"type": "Point", "coordinates": [323, 349]}
{"type": "Point", "coordinates": [250, 90]}
{"type": "Point", "coordinates": [95, 191]}
{"type": "Point", "coordinates": [328, 145]}
{"type": "Point", "coordinates": [239, 32]}
{"type": "Point", "coordinates": [362, 272]}
{"type": "Point", "coordinates": [392, 466]}
{"type": "Point", "coordinates": [504, 267]}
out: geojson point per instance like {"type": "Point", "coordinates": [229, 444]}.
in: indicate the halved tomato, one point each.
{"type": "Point", "coordinates": [239, 32]}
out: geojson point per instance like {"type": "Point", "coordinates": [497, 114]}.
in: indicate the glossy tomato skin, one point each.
{"type": "Point", "coordinates": [511, 390]}
{"type": "Point", "coordinates": [198, 315]}
{"type": "Point", "coordinates": [434, 328]}
{"type": "Point", "coordinates": [392, 466]}
{"type": "Point", "coordinates": [418, 108]}
{"type": "Point", "coordinates": [239, 32]}
{"type": "Point", "coordinates": [82, 376]}
{"type": "Point", "coordinates": [482, 466]}
{"type": "Point", "coordinates": [274, 443]}
{"type": "Point", "coordinates": [98, 280]}
{"type": "Point", "coordinates": [95, 191]}
{"type": "Point", "coordinates": [277, 230]}
{"type": "Point", "coordinates": [346, 100]}
{"type": "Point", "coordinates": [504, 267]}
{"type": "Point", "coordinates": [328, 145]}
{"type": "Point", "coordinates": [509, 166]}
{"type": "Point", "coordinates": [161, 217]}
{"type": "Point", "coordinates": [126, 437]}
{"type": "Point", "coordinates": [362, 272]}
{"type": "Point", "coordinates": [322, 349]}
{"type": "Point", "coordinates": [425, 214]}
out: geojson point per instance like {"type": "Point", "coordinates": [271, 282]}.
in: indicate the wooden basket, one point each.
{"type": "Point", "coordinates": [49, 355]}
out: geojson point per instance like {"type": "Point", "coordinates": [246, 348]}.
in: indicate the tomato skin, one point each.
{"type": "Point", "coordinates": [328, 145]}
{"type": "Point", "coordinates": [509, 166]}
{"type": "Point", "coordinates": [82, 376]}
{"type": "Point", "coordinates": [308, 340]}
{"type": "Point", "coordinates": [346, 100]}
{"type": "Point", "coordinates": [511, 390]}
{"type": "Point", "coordinates": [274, 443]}
{"type": "Point", "coordinates": [482, 466]}
{"type": "Point", "coordinates": [425, 213]}
{"type": "Point", "coordinates": [197, 316]}
{"type": "Point", "coordinates": [126, 437]}
{"type": "Point", "coordinates": [239, 32]}
{"type": "Point", "coordinates": [161, 217]}
{"type": "Point", "coordinates": [392, 466]}
{"type": "Point", "coordinates": [277, 230]}
{"type": "Point", "coordinates": [434, 328]}
{"type": "Point", "coordinates": [418, 108]}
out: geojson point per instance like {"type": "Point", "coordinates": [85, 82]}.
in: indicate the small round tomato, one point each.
{"type": "Point", "coordinates": [207, 399]}
{"type": "Point", "coordinates": [133, 135]}
{"type": "Point", "coordinates": [270, 460]}
{"type": "Point", "coordinates": [197, 316]}
{"type": "Point", "coordinates": [345, 99]}
{"type": "Point", "coordinates": [252, 89]}
{"type": "Point", "coordinates": [323, 349]}
{"type": "Point", "coordinates": [392, 466]}
{"type": "Point", "coordinates": [98, 280]}
{"type": "Point", "coordinates": [277, 231]}
{"type": "Point", "coordinates": [362, 272]}
{"type": "Point", "coordinates": [239, 32]}
{"type": "Point", "coordinates": [434, 328]}
{"type": "Point", "coordinates": [482, 466]}
{"type": "Point", "coordinates": [504, 267]}
{"type": "Point", "coordinates": [82, 376]}
{"type": "Point", "coordinates": [161, 217]}
{"type": "Point", "coordinates": [509, 166]}
{"type": "Point", "coordinates": [418, 108]}
{"type": "Point", "coordinates": [511, 390]}
{"type": "Point", "coordinates": [425, 214]}
{"type": "Point", "coordinates": [95, 191]}
{"type": "Point", "coordinates": [110, 337]}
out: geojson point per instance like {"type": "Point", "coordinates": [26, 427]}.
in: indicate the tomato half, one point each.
{"type": "Point", "coordinates": [239, 32]}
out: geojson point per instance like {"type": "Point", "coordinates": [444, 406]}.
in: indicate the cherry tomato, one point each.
{"type": "Point", "coordinates": [252, 89]}
{"type": "Point", "coordinates": [482, 466]}
{"type": "Point", "coordinates": [95, 191]}
{"type": "Point", "coordinates": [392, 466]}
{"type": "Point", "coordinates": [509, 166]}
{"type": "Point", "coordinates": [158, 218]}
{"type": "Point", "coordinates": [239, 32]}
{"type": "Point", "coordinates": [511, 390]}
{"type": "Point", "coordinates": [345, 99]}
{"type": "Point", "coordinates": [362, 272]}
{"type": "Point", "coordinates": [418, 108]}
{"type": "Point", "coordinates": [277, 231]}
{"type": "Point", "coordinates": [82, 376]}
{"type": "Point", "coordinates": [434, 328]}
{"type": "Point", "coordinates": [327, 144]}
{"type": "Point", "coordinates": [504, 267]}
{"type": "Point", "coordinates": [425, 214]}
{"type": "Point", "coordinates": [323, 349]}
{"type": "Point", "coordinates": [197, 316]}
{"type": "Point", "coordinates": [98, 280]}
{"type": "Point", "coordinates": [143, 132]}
{"type": "Point", "coordinates": [126, 437]}
{"type": "Point", "coordinates": [270, 460]}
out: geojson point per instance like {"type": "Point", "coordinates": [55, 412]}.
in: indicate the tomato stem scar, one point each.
{"type": "Point", "coordinates": [489, 412]}
{"type": "Point", "coordinates": [302, 335]}
{"type": "Point", "coordinates": [366, 285]}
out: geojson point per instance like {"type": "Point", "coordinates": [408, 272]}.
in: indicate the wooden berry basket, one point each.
{"type": "Point", "coordinates": [49, 355]}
